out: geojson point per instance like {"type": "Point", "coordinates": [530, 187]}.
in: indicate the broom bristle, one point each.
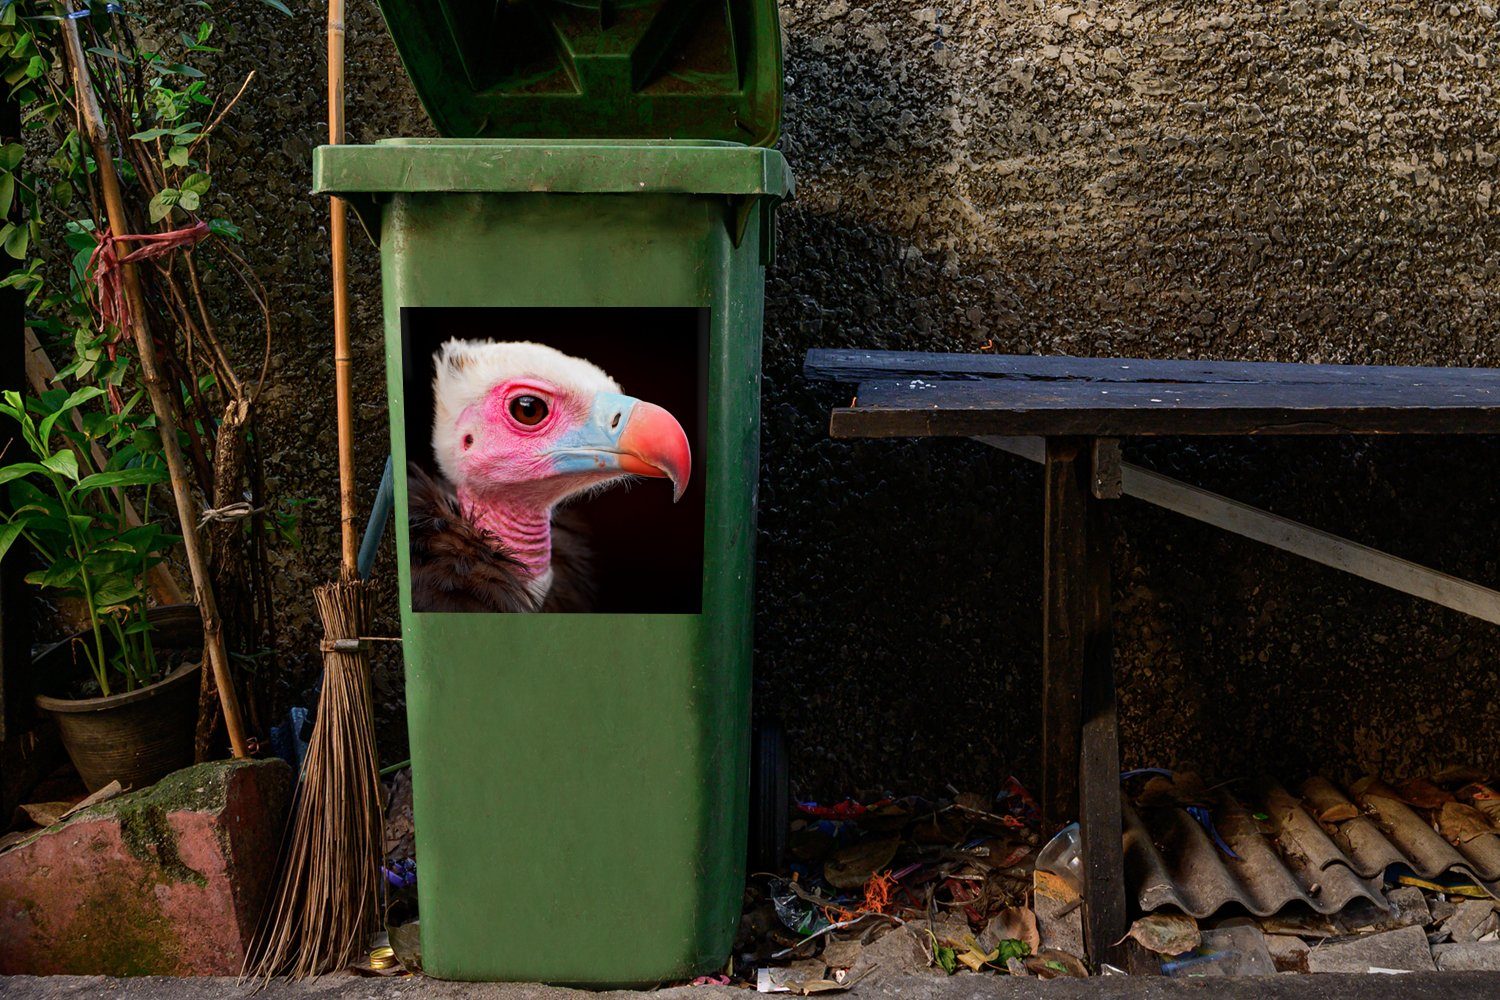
{"type": "Point", "coordinates": [327, 898]}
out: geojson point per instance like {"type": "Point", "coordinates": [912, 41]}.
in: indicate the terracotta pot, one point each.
{"type": "Point", "coordinates": [137, 737]}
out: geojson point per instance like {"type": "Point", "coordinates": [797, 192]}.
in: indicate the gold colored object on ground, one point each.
{"type": "Point", "coordinates": [383, 958]}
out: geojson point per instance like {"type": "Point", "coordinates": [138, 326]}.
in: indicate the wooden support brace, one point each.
{"type": "Point", "coordinates": [1291, 536]}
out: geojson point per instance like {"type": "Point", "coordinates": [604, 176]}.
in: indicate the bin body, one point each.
{"type": "Point", "coordinates": [580, 780]}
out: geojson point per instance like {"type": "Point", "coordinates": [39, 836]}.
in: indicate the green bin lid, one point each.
{"type": "Point", "coordinates": [588, 69]}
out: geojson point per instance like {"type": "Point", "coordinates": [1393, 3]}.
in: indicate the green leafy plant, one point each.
{"type": "Point", "coordinates": [151, 74]}
{"type": "Point", "coordinates": [75, 518]}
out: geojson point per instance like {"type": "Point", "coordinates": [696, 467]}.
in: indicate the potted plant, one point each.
{"type": "Point", "coordinates": [124, 699]}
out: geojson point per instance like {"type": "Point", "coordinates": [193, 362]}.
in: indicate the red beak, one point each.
{"type": "Point", "coordinates": [654, 444]}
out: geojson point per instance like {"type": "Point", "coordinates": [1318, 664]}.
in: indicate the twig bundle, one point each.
{"type": "Point", "coordinates": [328, 895]}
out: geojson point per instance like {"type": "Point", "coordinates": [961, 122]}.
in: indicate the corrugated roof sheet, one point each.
{"type": "Point", "coordinates": [1324, 848]}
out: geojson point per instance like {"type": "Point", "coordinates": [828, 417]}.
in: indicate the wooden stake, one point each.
{"type": "Point", "coordinates": [161, 402]}
{"type": "Point", "coordinates": [343, 360]}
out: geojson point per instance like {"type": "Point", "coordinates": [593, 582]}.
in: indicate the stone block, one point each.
{"type": "Point", "coordinates": [167, 881]}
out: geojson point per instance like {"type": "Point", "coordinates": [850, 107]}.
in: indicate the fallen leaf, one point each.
{"type": "Point", "coordinates": [104, 794]}
{"type": "Point", "coordinates": [1017, 967]}
{"type": "Point", "coordinates": [1014, 923]}
{"type": "Point", "coordinates": [1423, 794]}
{"type": "Point", "coordinates": [1053, 964]}
{"type": "Point", "coordinates": [1166, 933]}
{"type": "Point", "coordinates": [45, 813]}
{"type": "Point", "coordinates": [1484, 798]}
{"type": "Point", "coordinates": [1338, 812]}
{"type": "Point", "coordinates": [851, 867]}
{"type": "Point", "coordinates": [1460, 824]}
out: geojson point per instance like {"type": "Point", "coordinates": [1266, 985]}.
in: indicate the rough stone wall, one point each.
{"type": "Point", "coordinates": [1301, 181]}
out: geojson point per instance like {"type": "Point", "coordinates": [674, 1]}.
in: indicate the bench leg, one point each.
{"type": "Point", "coordinates": [1064, 578]}
{"type": "Point", "coordinates": [1100, 826]}
{"type": "Point", "coordinates": [1080, 736]}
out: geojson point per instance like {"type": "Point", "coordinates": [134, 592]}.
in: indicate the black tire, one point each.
{"type": "Point", "coordinates": [770, 798]}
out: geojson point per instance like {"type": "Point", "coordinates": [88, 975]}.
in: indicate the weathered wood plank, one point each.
{"type": "Point", "coordinates": [874, 366]}
{"type": "Point", "coordinates": [1064, 626]}
{"type": "Point", "coordinates": [1100, 827]}
{"type": "Point", "coordinates": [1279, 532]}
{"type": "Point", "coordinates": [934, 408]}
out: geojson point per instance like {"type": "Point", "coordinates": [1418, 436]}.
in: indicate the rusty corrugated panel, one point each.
{"type": "Point", "coordinates": [1290, 856]}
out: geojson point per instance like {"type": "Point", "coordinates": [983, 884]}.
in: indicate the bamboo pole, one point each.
{"type": "Point", "coordinates": [40, 372]}
{"type": "Point", "coordinates": [343, 360]}
{"type": "Point", "coordinates": [161, 402]}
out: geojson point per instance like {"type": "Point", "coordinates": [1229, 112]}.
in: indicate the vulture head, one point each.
{"type": "Point", "coordinates": [518, 428]}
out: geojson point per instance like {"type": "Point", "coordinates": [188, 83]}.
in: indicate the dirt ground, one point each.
{"type": "Point", "coordinates": [1302, 181]}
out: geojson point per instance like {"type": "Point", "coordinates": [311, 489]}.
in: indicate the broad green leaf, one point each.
{"type": "Point", "coordinates": [7, 191]}
{"type": "Point", "coordinates": [177, 156]}
{"type": "Point", "coordinates": [161, 205]}
{"type": "Point", "coordinates": [11, 155]}
{"type": "Point", "coordinates": [77, 398]}
{"type": "Point", "coordinates": [59, 574]}
{"type": "Point", "coordinates": [188, 200]}
{"type": "Point", "coordinates": [64, 463]}
{"type": "Point", "coordinates": [17, 241]}
{"type": "Point", "coordinates": [152, 133]}
{"type": "Point", "coordinates": [20, 469]}
{"type": "Point", "coordinates": [122, 477]}
{"type": "Point", "coordinates": [198, 183]}
{"type": "Point", "coordinates": [9, 532]}
{"type": "Point", "coordinates": [223, 227]}
{"type": "Point", "coordinates": [114, 592]}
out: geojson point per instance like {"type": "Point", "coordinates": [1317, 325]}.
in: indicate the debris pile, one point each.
{"type": "Point", "coordinates": [909, 885]}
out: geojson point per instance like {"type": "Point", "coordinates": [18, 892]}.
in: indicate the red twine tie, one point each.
{"type": "Point", "coordinates": [109, 291]}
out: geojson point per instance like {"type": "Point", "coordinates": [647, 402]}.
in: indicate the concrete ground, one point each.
{"type": "Point", "coordinates": [1417, 986]}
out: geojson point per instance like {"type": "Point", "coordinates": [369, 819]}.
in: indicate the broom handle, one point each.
{"type": "Point", "coordinates": [343, 361]}
{"type": "Point", "coordinates": [161, 403]}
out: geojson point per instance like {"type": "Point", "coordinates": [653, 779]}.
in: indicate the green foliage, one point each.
{"type": "Point", "coordinates": [74, 517]}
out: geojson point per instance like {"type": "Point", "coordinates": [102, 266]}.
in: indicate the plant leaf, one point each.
{"type": "Point", "coordinates": [20, 469]}
{"type": "Point", "coordinates": [121, 477]}
{"type": "Point", "coordinates": [9, 532]}
{"type": "Point", "coordinates": [64, 463]}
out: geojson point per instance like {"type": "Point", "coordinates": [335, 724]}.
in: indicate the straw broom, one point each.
{"type": "Point", "coordinates": [327, 902]}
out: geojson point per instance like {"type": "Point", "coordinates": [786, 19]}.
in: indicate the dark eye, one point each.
{"type": "Point", "coordinates": [528, 410]}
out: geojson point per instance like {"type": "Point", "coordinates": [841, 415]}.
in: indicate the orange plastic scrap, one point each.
{"type": "Point", "coordinates": [878, 892]}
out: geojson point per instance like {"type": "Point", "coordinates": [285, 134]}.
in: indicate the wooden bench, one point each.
{"type": "Point", "coordinates": [1069, 414]}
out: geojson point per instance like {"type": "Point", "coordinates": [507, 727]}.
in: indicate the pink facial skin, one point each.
{"type": "Point", "coordinates": [529, 445]}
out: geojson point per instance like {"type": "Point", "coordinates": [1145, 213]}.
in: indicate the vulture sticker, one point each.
{"type": "Point", "coordinates": [555, 458]}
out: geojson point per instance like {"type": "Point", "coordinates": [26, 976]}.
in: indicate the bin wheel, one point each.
{"type": "Point", "coordinates": [770, 794]}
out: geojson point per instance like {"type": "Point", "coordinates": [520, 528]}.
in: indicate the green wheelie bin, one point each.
{"type": "Point", "coordinates": [573, 283]}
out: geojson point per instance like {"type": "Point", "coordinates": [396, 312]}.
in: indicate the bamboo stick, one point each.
{"type": "Point", "coordinates": [343, 360]}
{"type": "Point", "coordinates": [161, 402]}
{"type": "Point", "coordinates": [40, 372]}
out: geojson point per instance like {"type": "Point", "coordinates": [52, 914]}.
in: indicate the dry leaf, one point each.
{"type": "Point", "coordinates": [1053, 964]}
{"type": "Point", "coordinates": [104, 794]}
{"type": "Point", "coordinates": [851, 867]}
{"type": "Point", "coordinates": [1423, 794]}
{"type": "Point", "coordinates": [1016, 923]}
{"type": "Point", "coordinates": [1338, 812]}
{"type": "Point", "coordinates": [1166, 933]}
{"type": "Point", "coordinates": [45, 813]}
{"type": "Point", "coordinates": [1460, 824]}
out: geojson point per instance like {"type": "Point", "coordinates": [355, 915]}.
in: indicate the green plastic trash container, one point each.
{"type": "Point", "coordinates": [579, 778]}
